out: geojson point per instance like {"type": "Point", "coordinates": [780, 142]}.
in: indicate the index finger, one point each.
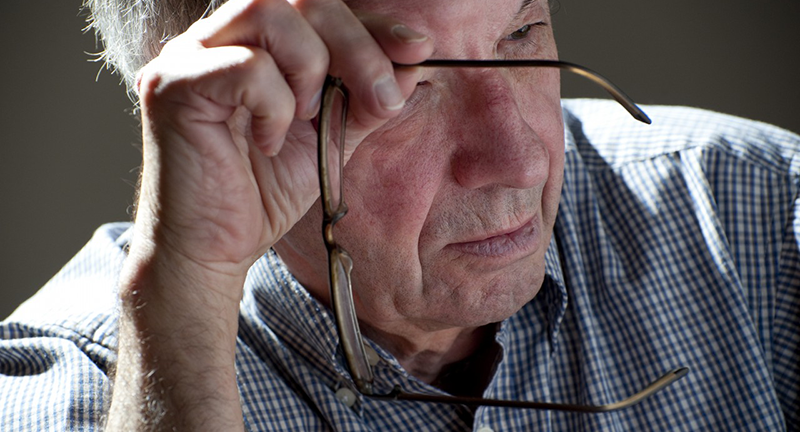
{"type": "Point", "coordinates": [278, 28]}
{"type": "Point", "coordinates": [361, 60]}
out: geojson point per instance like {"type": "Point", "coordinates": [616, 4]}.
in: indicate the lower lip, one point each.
{"type": "Point", "coordinates": [520, 241]}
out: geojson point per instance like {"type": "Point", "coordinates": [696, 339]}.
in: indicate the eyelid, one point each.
{"type": "Point", "coordinates": [416, 95]}
{"type": "Point", "coordinates": [526, 27]}
{"type": "Point", "coordinates": [532, 26]}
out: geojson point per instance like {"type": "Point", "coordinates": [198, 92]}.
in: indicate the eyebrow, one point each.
{"type": "Point", "coordinates": [526, 4]}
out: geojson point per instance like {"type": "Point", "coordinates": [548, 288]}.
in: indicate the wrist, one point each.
{"type": "Point", "coordinates": [177, 344]}
{"type": "Point", "coordinates": [165, 293]}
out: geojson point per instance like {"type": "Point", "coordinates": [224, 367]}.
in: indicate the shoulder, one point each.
{"type": "Point", "coordinates": [603, 135]}
{"type": "Point", "coordinates": [82, 296]}
{"type": "Point", "coordinates": [56, 350]}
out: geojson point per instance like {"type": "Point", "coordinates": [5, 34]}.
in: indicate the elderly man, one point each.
{"type": "Point", "coordinates": [505, 245]}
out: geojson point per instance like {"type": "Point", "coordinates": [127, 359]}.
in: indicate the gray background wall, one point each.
{"type": "Point", "coordinates": [68, 144]}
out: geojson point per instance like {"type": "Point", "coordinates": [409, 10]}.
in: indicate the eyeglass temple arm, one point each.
{"type": "Point", "coordinates": [340, 264]}
{"type": "Point", "coordinates": [398, 394]}
{"type": "Point", "coordinates": [607, 85]}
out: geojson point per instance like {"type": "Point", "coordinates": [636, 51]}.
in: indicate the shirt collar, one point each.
{"type": "Point", "coordinates": [275, 297]}
{"type": "Point", "coordinates": [571, 122]}
{"type": "Point", "coordinates": [278, 299]}
{"type": "Point", "coordinates": [554, 288]}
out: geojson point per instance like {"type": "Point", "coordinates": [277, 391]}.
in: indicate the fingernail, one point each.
{"type": "Point", "coordinates": [388, 93]}
{"type": "Point", "coordinates": [407, 35]}
{"type": "Point", "coordinates": [313, 106]}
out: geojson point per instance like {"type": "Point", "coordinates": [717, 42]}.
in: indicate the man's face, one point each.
{"type": "Point", "coordinates": [452, 203]}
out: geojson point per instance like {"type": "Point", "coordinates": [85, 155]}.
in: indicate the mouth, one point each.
{"type": "Point", "coordinates": [511, 243]}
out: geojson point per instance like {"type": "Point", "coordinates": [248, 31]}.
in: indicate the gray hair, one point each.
{"type": "Point", "coordinates": [133, 32]}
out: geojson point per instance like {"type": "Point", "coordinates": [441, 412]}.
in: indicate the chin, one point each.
{"type": "Point", "coordinates": [477, 303]}
{"type": "Point", "coordinates": [498, 306]}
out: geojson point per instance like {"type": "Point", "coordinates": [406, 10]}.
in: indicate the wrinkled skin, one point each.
{"type": "Point", "coordinates": [453, 194]}
{"type": "Point", "coordinates": [475, 154]}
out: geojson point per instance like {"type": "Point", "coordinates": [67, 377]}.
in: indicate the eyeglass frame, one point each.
{"type": "Point", "coordinates": [340, 263]}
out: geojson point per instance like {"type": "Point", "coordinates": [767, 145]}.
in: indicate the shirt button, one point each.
{"type": "Point", "coordinates": [372, 356]}
{"type": "Point", "coordinates": [346, 396]}
{"type": "Point", "coordinates": [485, 429]}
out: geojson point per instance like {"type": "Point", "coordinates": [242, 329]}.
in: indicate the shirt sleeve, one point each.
{"type": "Point", "coordinates": [758, 198]}
{"type": "Point", "coordinates": [786, 336]}
{"type": "Point", "coordinates": [753, 170]}
{"type": "Point", "coordinates": [757, 190]}
{"type": "Point", "coordinates": [57, 349]}
{"type": "Point", "coordinates": [51, 379]}
{"type": "Point", "coordinates": [743, 178]}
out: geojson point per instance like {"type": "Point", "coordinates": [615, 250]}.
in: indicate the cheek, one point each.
{"type": "Point", "coordinates": [390, 185]}
{"type": "Point", "coordinates": [542, 110]}
{"type": "Point", "coordinates": [551, 195]}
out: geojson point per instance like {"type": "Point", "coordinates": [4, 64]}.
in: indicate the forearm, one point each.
{"type": "Point", "coordinates": [177, 338]}
{"type": "Point", "coordinates": [229, 168]}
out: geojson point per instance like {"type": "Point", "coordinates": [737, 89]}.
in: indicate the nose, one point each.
{"type": "Point", "coordinates": [496, 144]}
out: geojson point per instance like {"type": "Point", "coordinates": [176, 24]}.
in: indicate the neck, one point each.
{"type": "Point", "coordinates": [459, 361]}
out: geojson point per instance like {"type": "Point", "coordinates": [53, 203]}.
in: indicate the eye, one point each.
{"type": "Point", "coordinates": [520, 33]}
{"type": "Point", "coordinates": [417, 94]}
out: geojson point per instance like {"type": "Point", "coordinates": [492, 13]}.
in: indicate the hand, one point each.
{"type": "Point", "coordinates": [230, 156]}
{"type": "Point", "coordinates": [229, 167]}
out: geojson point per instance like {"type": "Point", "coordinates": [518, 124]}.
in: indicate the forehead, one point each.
{"type": "Point", "coordinates": [459, 28]}
{"type": "Point", "coordinates": [447, 14]}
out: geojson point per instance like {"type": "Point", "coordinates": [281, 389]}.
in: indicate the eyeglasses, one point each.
{"type": "Point", "coordinates": [331, 144]}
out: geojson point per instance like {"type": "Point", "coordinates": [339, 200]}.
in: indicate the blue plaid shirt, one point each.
{"type": "Point", "coordinates": [676, 244]}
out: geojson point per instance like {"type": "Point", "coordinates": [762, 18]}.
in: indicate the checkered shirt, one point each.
{"type": "Point", "coordinates": [676, 244]}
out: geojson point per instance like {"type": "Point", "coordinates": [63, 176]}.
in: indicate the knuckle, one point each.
{"type": "Point", "coordinates": [317, 69]}
{"type": "Point", "coordinates": [256, 61]}
{"type": "Point", "coordinates": [318, 5]}
{"type": "Point", "coordinates": [176, 44]}
{"type": "Point", "coordinates": [260, 11]}
{"type": "Point", "coordinates": [151, 79]}
{"type": "Point", "coordinates": [273, 125]}
{"type": "Point", "coordinates": [370, 63]}
{"type": "Point", "coordinates": [285, 115]}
